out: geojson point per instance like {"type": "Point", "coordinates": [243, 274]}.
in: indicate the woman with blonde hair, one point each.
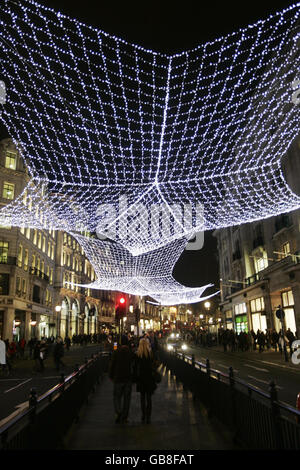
{"type": "Point", "coordinates": [144, 378]}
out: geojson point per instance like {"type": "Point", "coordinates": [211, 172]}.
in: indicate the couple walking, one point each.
{"type": "Point", "coordinates": [127, 367]}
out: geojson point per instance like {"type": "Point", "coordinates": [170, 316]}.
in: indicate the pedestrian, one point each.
{"type": "Point", "coordinates": [68, 342]}
{"type": "Point", "coordinates": [58, 353]}
{"type": "Point", "coordinates": [146, 385]}
{"type": "Point", "coordinates": [120, 372]}
{"type": "Point", "coordinates": [261, 340]}
{"type": "Point", "coordinates": [22, 345]}
{"type": "Point", "coordinates": [291, 338]}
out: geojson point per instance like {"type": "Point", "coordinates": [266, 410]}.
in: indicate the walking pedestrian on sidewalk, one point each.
{"type": "Point", "coordinates": [120, 372]}
{"type": "Point", "coordinates": [146, 385]}
{"type": "Point", "coordinates": [58, 353]}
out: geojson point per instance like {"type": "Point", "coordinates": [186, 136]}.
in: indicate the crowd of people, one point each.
{"type": "Point", "coordinates": [232, 341]}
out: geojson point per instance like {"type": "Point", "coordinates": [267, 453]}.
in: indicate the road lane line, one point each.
{"type": "Point", "coordinates": [17, 386]}
{"type": "Point", "coordinates": [257, 368]}
{"type": "Point", "coordinates": [263, 381]}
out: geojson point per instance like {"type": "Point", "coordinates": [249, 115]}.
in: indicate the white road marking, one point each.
{"type": "Point", "coordinates": [17, 386]}
{"type": "Point", "coordinates": [256, 368]}
{"type": "Point", "coordinates": [263, 381]}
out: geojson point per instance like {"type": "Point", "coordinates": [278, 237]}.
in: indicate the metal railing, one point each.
{"type": "Point", "coordinates": [46, 420]}
{"type": "Point", "coordinates": [257, 419]}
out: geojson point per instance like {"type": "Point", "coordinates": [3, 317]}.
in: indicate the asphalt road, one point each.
{"type": "Point", "coordinates": [257, 369]}
{"type": "Point", "coordinates": [15, 388]}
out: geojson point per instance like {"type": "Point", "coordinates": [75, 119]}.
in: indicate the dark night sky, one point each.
{"type": "Point", "coordinates": [169, 27]}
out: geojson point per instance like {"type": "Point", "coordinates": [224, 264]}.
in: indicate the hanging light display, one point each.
{"type": "Point", "coordinates": [112, 133]}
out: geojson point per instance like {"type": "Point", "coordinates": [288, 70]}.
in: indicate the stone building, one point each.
{"type": "Point", "coordinates": [39, 270]}
{"type": "Point", "coordinates": [259, 265]}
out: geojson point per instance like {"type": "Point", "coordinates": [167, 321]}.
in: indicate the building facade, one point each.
{"type": "Point", "coordinates": [39, 270]}
{"type": "Point", "coordinates": [40, 273]}
{"type": "Point", "coordinates": [259, 265]}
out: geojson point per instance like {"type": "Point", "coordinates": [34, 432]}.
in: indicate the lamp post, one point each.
{"type": "Point", "coordinates": [280, 315]}
{"type": "Point", "coordinates": [58, 310]}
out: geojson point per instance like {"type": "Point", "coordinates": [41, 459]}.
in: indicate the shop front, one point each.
{"type": "Point", "coordinates": [289, 310]}
{"type": "Point", "coordinates": [19, 325]}
{"type": "Point", "coordinates": [74, 328]}
{"type": "Point", "coordinates": [240, 318]}
{"type": "Point", "coordinates": [64, 318]}
{"type": "Point", "coordinates": [258, 314]}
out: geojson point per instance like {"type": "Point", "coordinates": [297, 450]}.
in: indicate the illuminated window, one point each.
{"type": "Point", "coordinates": [261, 263]}
{"type": "Point", "coordinates": [3, 252]}
{"type": "Point", "coordinates": [20, 256]}
{"type": "Point", "coordinates": [8, 190]}
{"type": "Point", "coordinates": [287, 298]}
{"type": "Point", "coordinates": [26, 260]}
{"type": "Point", "coordinates": [39, 240]}
{"type": "Point", "coordinates": [10, 160]}
{"type": "Point", "coordinates": [286, 249]}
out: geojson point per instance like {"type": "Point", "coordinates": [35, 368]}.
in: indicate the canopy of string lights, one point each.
{"type": "Point", "coordinates": [143, 147]}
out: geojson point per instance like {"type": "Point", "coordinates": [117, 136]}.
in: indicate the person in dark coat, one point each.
{"type": "Point", "coordinates": [58, 353]}
{"type": "Point", "coordinates": [120, 372]}
{"type": "Point", "coordinates": [144, 377]}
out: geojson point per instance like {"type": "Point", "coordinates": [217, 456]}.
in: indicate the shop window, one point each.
{"type": "Point", "coordinates": [287, 298]}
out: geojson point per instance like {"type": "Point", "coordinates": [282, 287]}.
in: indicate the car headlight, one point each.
{"type": "Point", "coordinates": [170, 347]}
{"type": "Point", "coordinates": [184, 347]}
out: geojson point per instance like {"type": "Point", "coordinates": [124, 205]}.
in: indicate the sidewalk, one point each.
{"type": "Point", "coordinates": [177, 423]}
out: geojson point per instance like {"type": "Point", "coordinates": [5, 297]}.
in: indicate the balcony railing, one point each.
{"type": "Point", "coordinates": [40, 274]}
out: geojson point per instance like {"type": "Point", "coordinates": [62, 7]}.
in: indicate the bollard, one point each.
{"type": "Point", "coordinates": [193, 360]}
{"type": "Point", "coordinates": [32, 404]}
{"type": "Point", "coordinates": [231, 377]}
{"type": "Point", "coordinates": [208, 366]}
{"type": "Point", "coordinates": [32, 398]}
{"type": "Point", "coordinates": [276, 415]}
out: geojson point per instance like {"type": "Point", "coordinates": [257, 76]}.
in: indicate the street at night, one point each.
{"type": "Point", "coordinates": [149, 228]}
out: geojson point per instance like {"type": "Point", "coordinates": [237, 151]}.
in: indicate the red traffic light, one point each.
{"type": "Point", "coordinates": [122, 300]}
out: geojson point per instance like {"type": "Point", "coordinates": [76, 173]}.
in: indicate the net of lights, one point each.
{"type": "Point", "coordinates": [148, 274]}
{"type": "Point", "coordinates": [96, 116]}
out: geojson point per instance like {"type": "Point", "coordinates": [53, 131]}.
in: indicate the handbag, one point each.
{"type": "Point", "coordinates": [156, 376]}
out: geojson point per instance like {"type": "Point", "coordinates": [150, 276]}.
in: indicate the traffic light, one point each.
{"type": "Point", "coordinates": [121, 308]}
